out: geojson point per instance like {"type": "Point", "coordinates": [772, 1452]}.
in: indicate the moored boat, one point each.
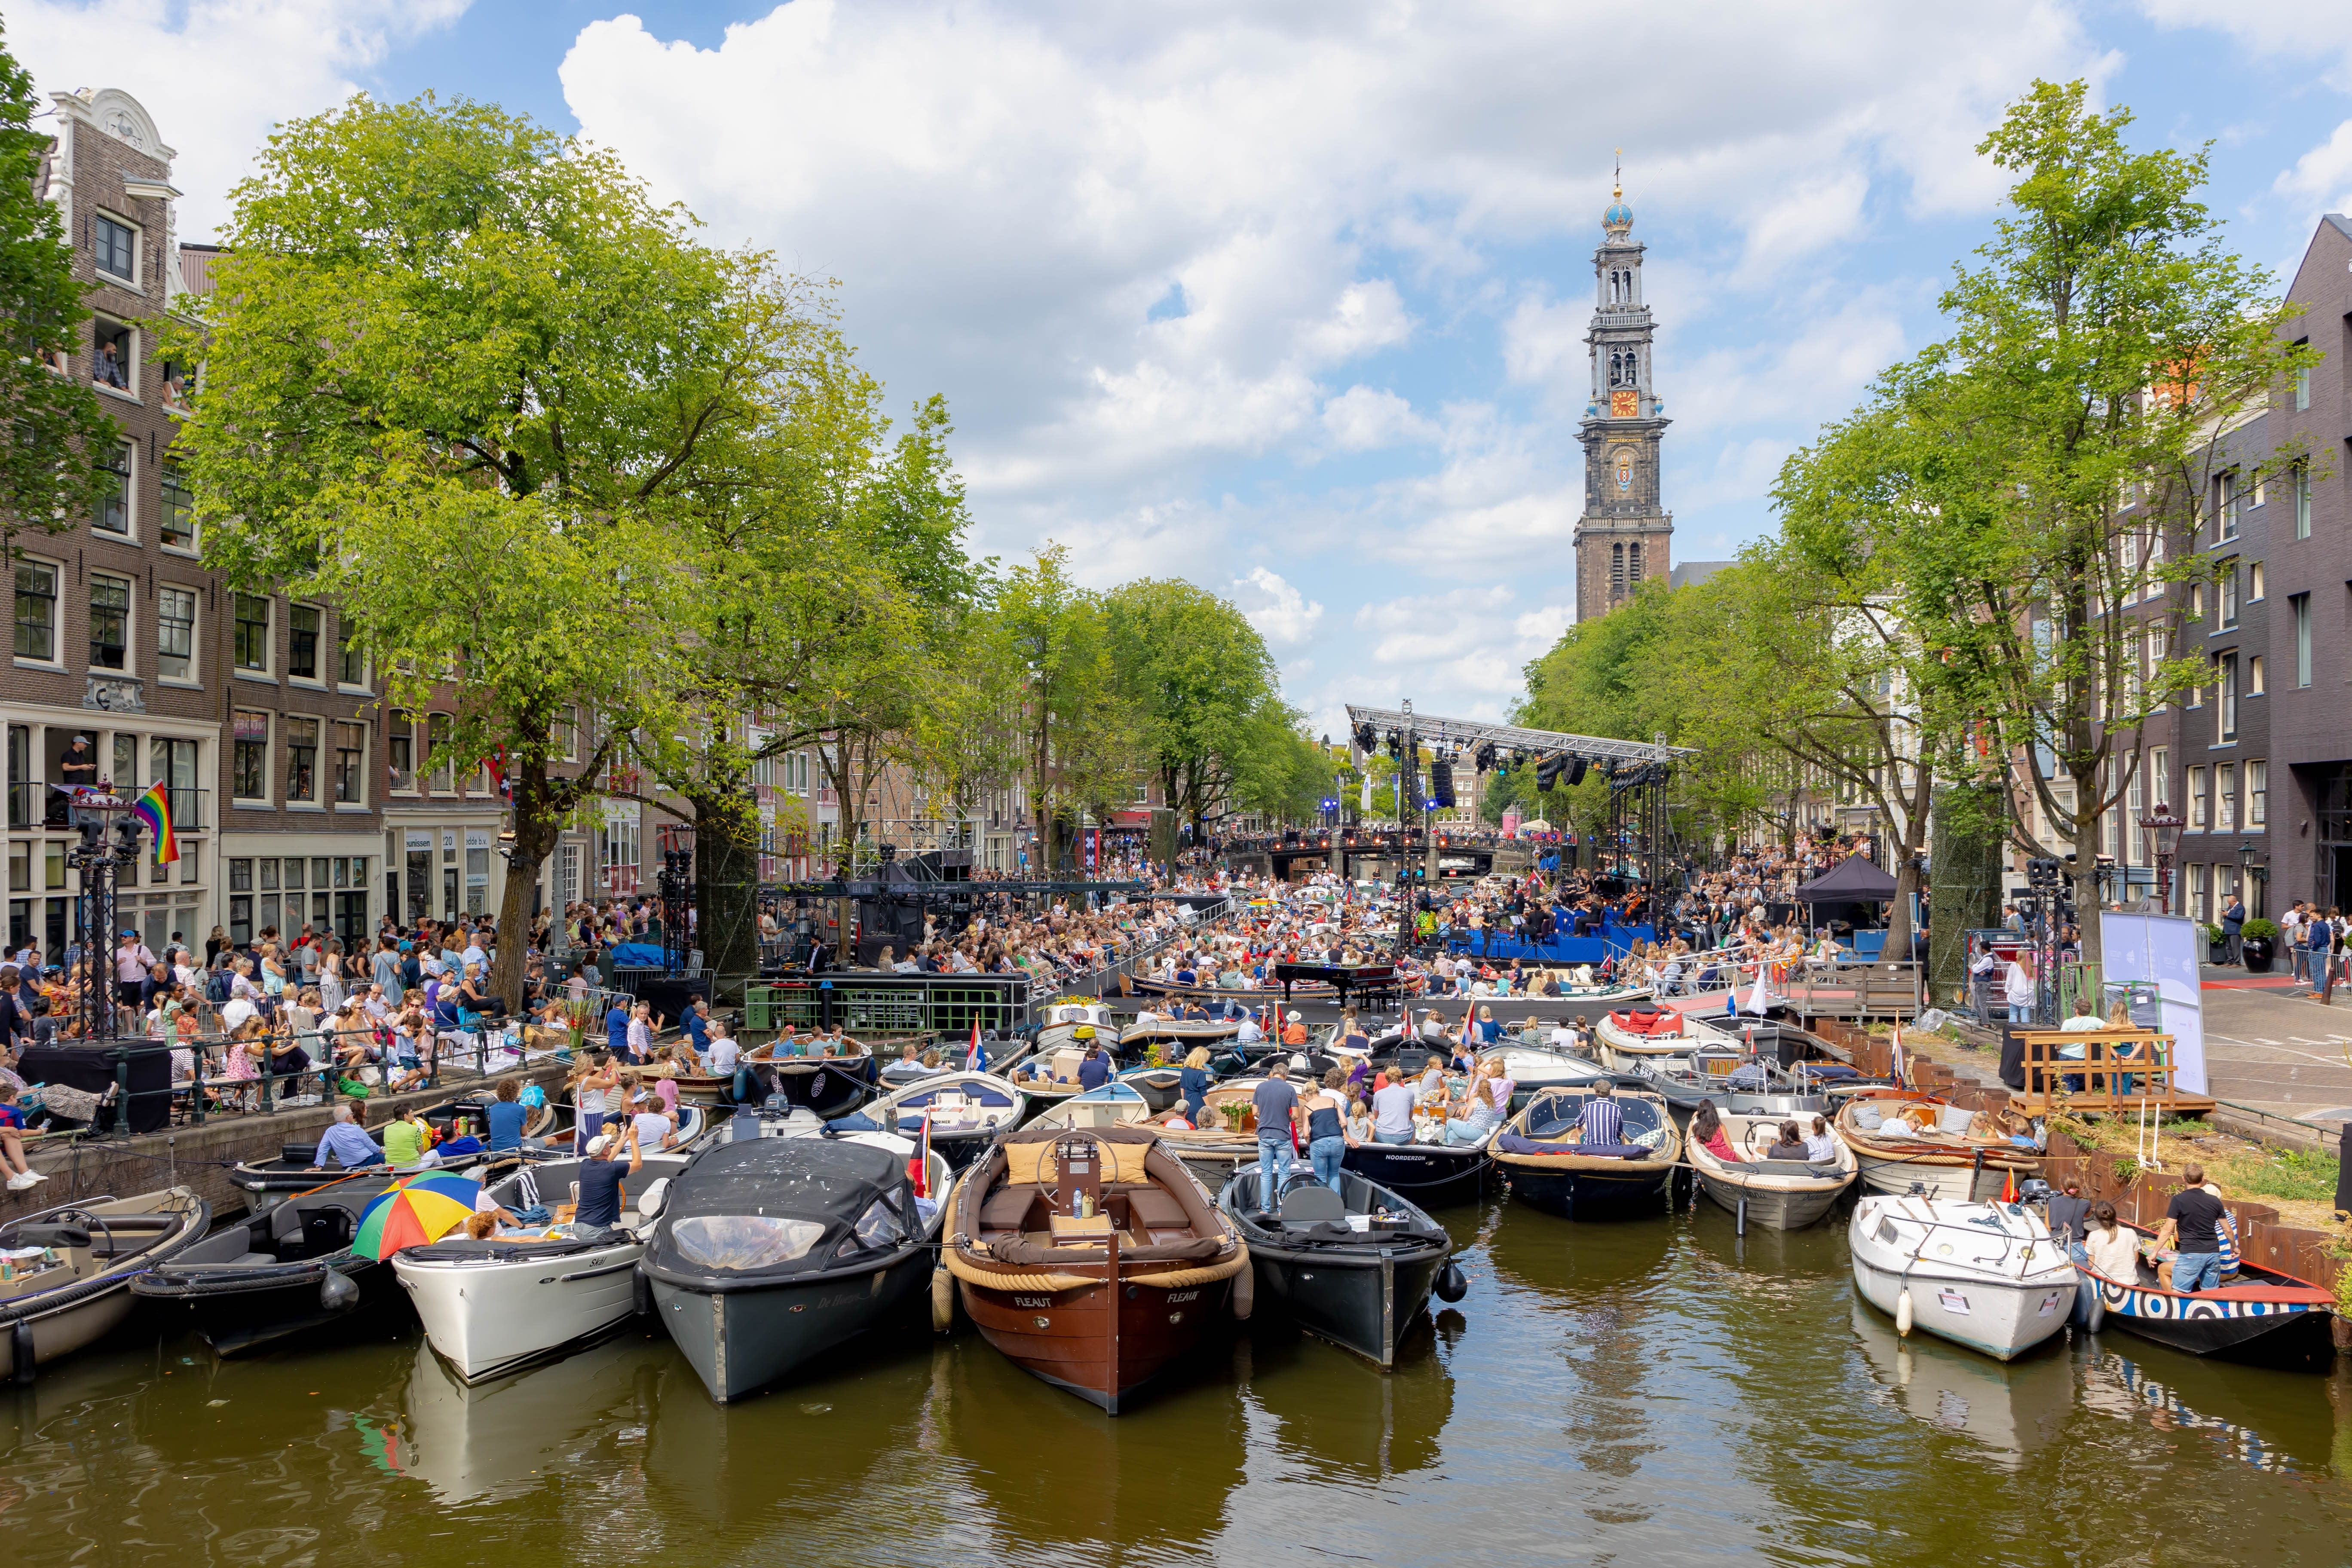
{"type": "Point", "coordinates": [1905, 1141]}
{"type": "Point", "coordinates": [1090, 1257]}
{"type": "Point", "coordinates": [1779, 1194]}
{"type": "Point", "coordinates": [770, 1252]}
{"type": "Point", "coordinates": [2260, 1315]}
{"type": "Point", "coordinates": [501, 1303]}
{"type": "Point", "coordinates": [829, 1084]}
{"type": "Point", "coordinates": [283, 1273]}
{"type": "Point", "coordinates": [1433, 1173]}
{"type": "Point", "coordinates": [966, 1110]}
{"type": "Point", "coordinates": [1987, 1275]}
{"type": "Point", "coordinates": [1541, 1154]}
{"type": "Point", "coordinates": [1115, 1104]}
{"type": "Point", "coordinates": [70, 1267]}
{"type": "Point", "coordinates": [1355, 1267]}
{"type": "Point", "coordinates": [1536, 1068]}
{"type": "Point", "coordinates": [269, 1182]}
{"type": "Point", "coordinates": [1630, 1039]}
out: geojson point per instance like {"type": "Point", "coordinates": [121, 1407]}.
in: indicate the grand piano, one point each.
{"type": "Point", "coordinates": [1370, 980]}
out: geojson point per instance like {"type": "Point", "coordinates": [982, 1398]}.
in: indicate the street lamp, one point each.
{"type": "Point", "coordinates": [2162, 828]}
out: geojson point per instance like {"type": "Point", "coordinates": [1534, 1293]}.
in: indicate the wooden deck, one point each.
{"type": "Point", "coordinates": [2120, 1072]}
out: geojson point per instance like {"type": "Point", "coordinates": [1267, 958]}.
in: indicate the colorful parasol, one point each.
{"type": "Point", "coordinates": [414, 1211]}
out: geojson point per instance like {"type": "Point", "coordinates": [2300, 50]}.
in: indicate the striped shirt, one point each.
{"type": "Point", "coordinates": [1601, 1121]}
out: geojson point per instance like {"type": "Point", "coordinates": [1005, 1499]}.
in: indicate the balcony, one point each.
{"type": "Point", "coordinates": [36, 804]}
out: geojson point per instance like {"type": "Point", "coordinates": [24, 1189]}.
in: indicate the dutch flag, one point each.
{"type": "Point", "coordinates": [976, 1058]}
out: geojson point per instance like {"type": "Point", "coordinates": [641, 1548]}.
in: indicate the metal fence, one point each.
{"type": "Point", "coordinates": [889, 1004]}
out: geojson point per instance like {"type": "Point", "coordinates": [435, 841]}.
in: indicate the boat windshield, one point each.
{"type": "Point", "coordinates": [737, 1241]}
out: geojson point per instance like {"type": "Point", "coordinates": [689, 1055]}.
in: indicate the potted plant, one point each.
{"type": "Point", "coordinates": [2217, 950]}
{"type": "Point", "coordinates": [2257, 942]}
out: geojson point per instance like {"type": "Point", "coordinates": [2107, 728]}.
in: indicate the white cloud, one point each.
{"type": "Point", "coordinates": [1364, 419]}
{"type": "Point", "coordinates": [2322, 178]}
{"type": "Point", "coordinates": [2299, 28]}
{"type": "Point", "coordinates": [1283, 615]}
{"type": "Point", "coordinates": [216, 75]}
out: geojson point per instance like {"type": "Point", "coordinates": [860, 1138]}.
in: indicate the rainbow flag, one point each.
{"type": "Point", "coordinates": [154, 809]}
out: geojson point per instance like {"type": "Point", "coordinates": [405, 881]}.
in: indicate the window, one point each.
{"type": "Point", "coordinates": [2134, 795]}
{"type": "Point", "coordinates": [36, 611]}
{"type": "Point", "coordinates": [567, 734]}
{"type": "Point", "coordinates": [249, 765]}
{"type": "Point", "coordinates": [2257, 583]}
{"type": "Point", "coordinates": [351, 659]}
{"type": "Point", "coordinates": [114, 512]}
{"type": "Point", "coordinates": [350, 763]}
{"type": "Point", "coordinates": [110, 622]}
{"type": "Point", "coordinates": [2301, 483]}
{"type": "Point", "coordinates": [400, 752]}
{"type": "Point", "coordinates": [2200, 884]}
{"type": "Point", "coordinates": [117, 244]}
{"type": "Point", "coordinates": [2225, 798]}
{"type": "Point", "coordinates": [2262, 487]}
{"type": "Point", "coordinates": [436, 752]}
{"type": "Point", "coordinates": [2301, 605]}
{"type": "Point", "coordinates": [2197, 800]}
{"type": "Point", "coordinates": [2160, 774]}
{"type": "Point", "coordinates": [178, 523]}
{"type": "Point", "coordinates": [2225, 506]}
{"type": "Point", "coordinates": [2254, 678]}
{"type": "Point", "coordinates": [2302, 388]}
{"type": "Point", "coordinates": [2258, 789]}
{"type": "Point", "coordinates": [114, 357]}
{"type": "Point", "coordinates": [2225, 699]}
{"type": "Point", "coordinates": [302, 642]}
{"type": "Point", "coordinates": [253, 632]}
{"type": "Point", "coordinates": [301, 760]}
{"type": "Point", "coordinates": [175, 634]}
{"type": "Point", "coordinates": [2225, 587]}
{"type": "Point", "coordinates": [2196, 600]}
{"type": "Point", "coordinates": [617, 855]}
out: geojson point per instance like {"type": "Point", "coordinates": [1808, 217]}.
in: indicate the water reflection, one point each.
{"type": "Point", "coordinates": [502, 1439]}
{"type": "Point", "coordinates": [2011, 1409]}
{"type": "Point", "coordinates": [1338, 1415]}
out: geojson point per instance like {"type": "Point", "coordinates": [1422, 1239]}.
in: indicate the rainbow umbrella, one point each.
{"type": "Point", "coordinates": [414, 1211]}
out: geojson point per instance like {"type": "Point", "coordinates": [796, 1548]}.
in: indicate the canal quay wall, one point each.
{"type": "Point", "coordinates": [201, 1157]}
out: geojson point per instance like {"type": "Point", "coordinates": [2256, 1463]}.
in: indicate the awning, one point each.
{"type": "Point", "coordinates": [1854, 880]}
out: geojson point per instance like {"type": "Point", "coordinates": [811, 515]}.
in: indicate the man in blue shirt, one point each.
{"type": "Point", "coordinates": [601, 1174]}
{"type": "Point", "coordinates": [506, 1117]}
{"type": "Point", "coordinates": [617, 1029]}
{"type": "Point", "coordinates": [696, 1024]}
{"type": "Point", "coordinates": [348, 1141]}
{"type": "Point", "coordinates": [1094, 1070]}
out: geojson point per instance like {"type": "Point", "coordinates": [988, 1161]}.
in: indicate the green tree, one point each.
{"type": "Point", "coordinates": [1208, 695]}
{"type": "Point", "coordinates": [54, 425]}
{"type": "Point", "coordinates": [1079, 731]}
{"type": "Point", "coordinates": [462, 376]}
{"type": "Point", "coordinates": [2014, 474]}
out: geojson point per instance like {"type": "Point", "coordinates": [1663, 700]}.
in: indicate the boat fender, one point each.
{"type": "Point", "coordinates": [1452, 1284]}
{"type": "Point", "coordinates": [2098, 1308]}
{"type": "Point", "coordinates": [641, 1293]}
{"type": "Point", "coordinates": [943, 1295]}
{"type": "Point", "coordinates": [21, 1352]}
{"type": "Point", "coordinates": [338, 1293]}
{"type": "Point", "coordinates": [1902, 1314]}
{"type": "Point", "coordinates": [1244, 1294]}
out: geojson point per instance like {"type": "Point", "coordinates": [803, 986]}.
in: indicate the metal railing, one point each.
{"type": "Point", "coordinates": [889, 1004]}
{"type": "Point", "coordinates": [32, 803]}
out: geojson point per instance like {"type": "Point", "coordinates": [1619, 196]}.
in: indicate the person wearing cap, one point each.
{"type": "Point", "coordinates": [597, 1204]}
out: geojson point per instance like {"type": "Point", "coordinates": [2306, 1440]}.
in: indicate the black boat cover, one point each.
{"type": "Point", "coordinates": [781, 1206]}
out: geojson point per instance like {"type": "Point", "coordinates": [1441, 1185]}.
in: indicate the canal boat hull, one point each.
{"type": "Point", "coordinates": [1428, 1175]}
{"type": "Point", "coordinates": [1359, 1289]}
{"type": "Point", "coordinates": [1547, 1170]}
{"type": "Point", "coordinates": [2263, 1318]}
{"type": "Point", "coordinates": [53, 1312]}
{"type": "Point", "coordinates": [2000, 1290]}
{"type": "Point", "coordinates": [1779, 1194]}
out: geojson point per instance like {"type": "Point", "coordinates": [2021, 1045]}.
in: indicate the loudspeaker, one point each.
{"type": "Point", "coordinates": [1441, 783]}
{"type": "Point", "coordinates": [1576, 766]}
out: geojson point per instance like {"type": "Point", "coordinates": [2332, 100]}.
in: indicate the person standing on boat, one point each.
{"type": "Point", "coordinates": [1278, 1115]}
{"type": "Point", "coordinates": [2068, 1212]}
{"type": "Point", "coordinates": [600, 1178]}
{"type": "Point", "coordinates": [1393, 1104]}
{"type": "Point", "coordinates": [2192, 1223]}
{"type": "Point", "coordinates": [1326, 1128]}
{"type": "Point", "coordinates": [1193, 1084]}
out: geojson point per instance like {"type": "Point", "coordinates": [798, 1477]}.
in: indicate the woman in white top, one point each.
{"type": "Point", "coordinates": [2113, 1248]}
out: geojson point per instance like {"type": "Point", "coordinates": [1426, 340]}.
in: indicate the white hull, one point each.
{"type": "Point", "coordinates": [485, 1318]}
{"type": "Point", "coordinates": [2000, 1291]}
{"type": "Point", "coordinates": [1625, 1052]}
{"type": "Point", "coordinates": [1943, 1184]}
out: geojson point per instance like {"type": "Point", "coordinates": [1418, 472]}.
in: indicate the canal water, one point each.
{"type": "Point", "coordinates": [1650, 1393]}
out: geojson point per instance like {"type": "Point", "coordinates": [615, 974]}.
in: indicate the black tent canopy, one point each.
{"type": "Point", "coordinates": [1853, 880]}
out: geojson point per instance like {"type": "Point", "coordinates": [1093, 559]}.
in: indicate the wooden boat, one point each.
{"type": "Point", "coordinates": [75, 1289]}
{"type": "Point", "coordinates": [769, 1253]}
{"type": "Point", "coordinates": [1354, 1267]}
{"type": "Point", "coordinates": [968, 1110]}
{"type": "Point", "coordinates": [1090, 1257]}
{"type": "Point", "coordinates": [1533, 1069]}
{"type": "Point", "coordinates": [1175, 1037]}
{"type": "Point", "coordinates": [1115, 1104]}
{"type": "Point", "coordinates": [696, 1124]}
{"type": "Point", "coordinates": [1779, 1194]}
{"type": "Point", "coordinates": [1226, 1140]}
{"type": "Point", "coordinates": [1539, 1154]}
{"type": "Point", "coordinates": [1630, 1039]}
{"type": "Point", "coordinates": [1046, 1077]}
{"type": "Point", "coordinates": [269, 1182]}
{"type": "Point", "coordinates": [1407, 984]}
{"type": "Point", "coordinates": [494, 1306]}
{"type": "Point", "coordinates": [285, 1273]}
{"type": "Point", "coordinates": [829, 1085]}
{"type": "Point", "coordinates": [1937, 1149]}
{"type": "Point", "coordinates": [1987, 1275]}
{"type": "Point", "coordinates": [2260, 1315]}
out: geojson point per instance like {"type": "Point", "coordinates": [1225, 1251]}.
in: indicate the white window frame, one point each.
{"type": "Point", "coordinates": [314, 681]}
{"type": "Point", "coordinates": [316, 798]}
{"type": "Point", "coordinates": [269, 755]}
{"type": "Point", "coordinates": [2196, 787]}
{"type": "Point", "coordinates": [57, 612]}
{"type": "Point", "coordinates": [138, 248]}
{"type": "Point", "coordinates": [131, 367]}
{"type": "Point", "coordinates": [267, 668]}
{"type": "Point", "coordinates": [194, 676]}
{"type": "Point", "coordinates": [335, 728]}
{"type": "Point", "coordinates": [129, 670]}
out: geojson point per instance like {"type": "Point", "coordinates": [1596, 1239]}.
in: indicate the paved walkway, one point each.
{"type": "Point", "coordinates": [2269, 1042]}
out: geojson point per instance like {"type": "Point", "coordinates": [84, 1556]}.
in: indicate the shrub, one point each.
{"type": "Point", "coordinates": [2260, 930]}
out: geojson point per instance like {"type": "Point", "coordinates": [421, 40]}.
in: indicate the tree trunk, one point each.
{"type": "Point", "coordinates": [726, 891]}
{"type": "Point", "coordinates": [535, 830]}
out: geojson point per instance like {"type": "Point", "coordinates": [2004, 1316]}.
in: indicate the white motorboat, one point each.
{"type": "Point", "coordinates": [1906, 1141]}
{"type": "Point", "coordinates": [1779, 1194]}
{"type": "Point", "coordinates": [1987, 1275]}
{"type": "Point", "coordinates": [492, 1306]}
{"type": "Point", "coordinates": [967, 1110]}
{"type": "Point", "coordinates": [1534, 1068]}
{"type": "Point", "coordinates": [1638, 1037]}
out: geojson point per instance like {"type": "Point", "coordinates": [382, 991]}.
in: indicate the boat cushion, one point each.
{"type": "Point", "coordinates": [57, 1235]}
{"type": "Point", "coordinates": [1785, 1168]}
{"type": "Point", "coordinates": [1029, 1163]}
{"type": "Point", "coordinates": [1007, 1207]}
{"type": "Point", "coordinates": [1512, 1143]}
{"type": "Point", "coordinates": [1156, 1210]}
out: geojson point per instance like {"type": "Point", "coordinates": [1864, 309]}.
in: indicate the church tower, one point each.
{"type": "Point", "coordinates": [1623, 538]}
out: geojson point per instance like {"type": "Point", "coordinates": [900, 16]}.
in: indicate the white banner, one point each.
{"type": "Point", "coordinates": [2162, 951]}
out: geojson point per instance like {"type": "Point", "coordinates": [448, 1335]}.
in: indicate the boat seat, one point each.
{"type": "Point", "coordinates": [1154, 1209]}
{"type": "Point", "coordinates": [251, 1260]}
{"type": "Point", "coordinates": [1312, 1206]}
{"type": "Point", "coordinates": [1007, 1209]}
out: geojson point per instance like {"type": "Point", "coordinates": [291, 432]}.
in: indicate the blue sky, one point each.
{"type": "Point", "coordinates": [1289, 300]}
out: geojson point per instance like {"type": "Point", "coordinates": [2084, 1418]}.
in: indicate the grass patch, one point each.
{"type": "Point", "coordinates": [2296, 1175]}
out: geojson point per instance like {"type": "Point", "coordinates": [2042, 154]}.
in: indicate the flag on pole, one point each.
{"type": "Point", "coordinates": [1897, 1066]}
{"type": "Point", "coordinates": [918, 1166]}
{"type": "Point", "coordinates": [976, 1058]}
{"type": "Point", "coordinates": [154, 809]}
{"type": "Point", "coordinates": [2009, 1186]}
